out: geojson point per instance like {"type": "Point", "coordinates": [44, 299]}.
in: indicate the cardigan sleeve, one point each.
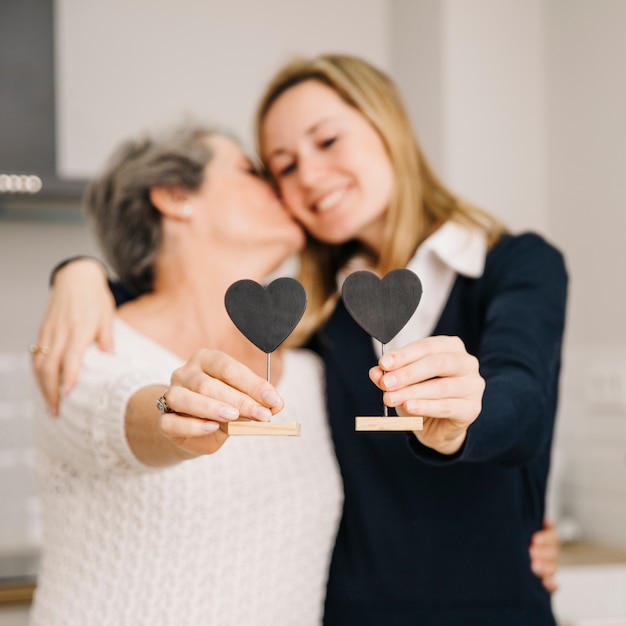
{"type": "Point", "coordinates": [519, 351]}
{"type": "Point", "coordinates": [518, 316]}
{"type": "Point", "coordinates": [89, 435]}
{"type": "Point", "coordinates": [120, 293]}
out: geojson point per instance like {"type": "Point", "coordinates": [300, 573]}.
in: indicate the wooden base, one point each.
{"type": "Point", "coordinates": [250, 427]}
{"type": "Point", "coordinates": [391, 423]}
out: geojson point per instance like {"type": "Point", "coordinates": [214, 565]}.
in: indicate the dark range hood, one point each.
{"type": "Point", "coordinates": [28, 171]}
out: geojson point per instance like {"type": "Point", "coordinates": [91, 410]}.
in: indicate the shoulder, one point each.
{"type": "Point", "coordinates": [525, 253]}
{"type": "Point", "coordinates": [529, 244]}
{"type": "Point", "coordinates": [135, 358]}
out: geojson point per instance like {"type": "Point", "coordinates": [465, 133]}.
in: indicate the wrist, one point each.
{"type": "Point", "coordinates": [452, 446]}
{"type": "Point", "coordinates": [77, 259]}
{"type": "Point", "coordinates": [446, 446]}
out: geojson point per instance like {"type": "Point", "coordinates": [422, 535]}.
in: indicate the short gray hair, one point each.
{"type": "Point", "coordinates": [117, 202]}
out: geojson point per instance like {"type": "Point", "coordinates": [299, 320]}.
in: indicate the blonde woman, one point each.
{"type": "Point", "coordinates": [436, 523]}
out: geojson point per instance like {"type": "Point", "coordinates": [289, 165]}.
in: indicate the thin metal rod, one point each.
{"type": "Point", "coordinates": [385, 409]}
{"type": "Point", "coordinates": [268, 366]}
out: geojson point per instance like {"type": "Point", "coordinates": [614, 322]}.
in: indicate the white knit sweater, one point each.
{"type": "Point", "coordinates": [240, 537]}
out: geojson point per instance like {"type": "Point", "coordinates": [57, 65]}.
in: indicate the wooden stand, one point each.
{"type": "Point", "coordinates": [251, 427]}
{"type": "Point", "coordinates": [390, 424]}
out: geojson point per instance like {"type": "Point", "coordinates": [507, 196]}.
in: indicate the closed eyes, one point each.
{"type": "Point", "coordinates": [288, 169]}
{"type": "Point", "coordinates": [292, 166]}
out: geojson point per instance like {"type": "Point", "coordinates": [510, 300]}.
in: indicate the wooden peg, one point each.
{"type": "Point", "coordinates": [244, 426]}
{"type": "Point", "coordinates": [389, 423]}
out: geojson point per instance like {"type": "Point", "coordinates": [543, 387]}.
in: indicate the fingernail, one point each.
{"type": "Point", "coordinates": [386, 361]}
{"type": "Point", "coordinates": [271, 398]}
{"type": "Point", "coordinates": [261, 413]}
{"type": "Point", "coordinates": [391, 398]}
{"type": "Point", "coordinates": [210, 427]}
{"type": "Point", "coordinates": [412, 406]}
{"type": "Point", "coordinates": [228, 412]}
{"type": "Point", "coordinates": [390, 381]}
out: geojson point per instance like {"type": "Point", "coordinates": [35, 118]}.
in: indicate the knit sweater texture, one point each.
{"type": "Point", "coordinates": [241, 537]}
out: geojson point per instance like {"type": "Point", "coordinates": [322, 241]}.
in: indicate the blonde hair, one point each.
{"type": "Point", "coordinates": [420, 202]}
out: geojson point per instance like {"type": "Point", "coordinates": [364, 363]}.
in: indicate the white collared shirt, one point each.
{"type": "Point", "coordinates": [451, 250]}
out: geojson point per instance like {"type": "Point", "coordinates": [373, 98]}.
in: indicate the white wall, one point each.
{"type": "Point", "coordinates": [587, 154]}
{"type": "Point", "coordinates": [586, 96]}
{"type": "Point", "coordinates": [473, 74]}
{"type": "Point", "coordinates": [126, 65]}
{"type": "Point", "coordinates": [28, 251]}
{"type": "Point", "coordinates": [417, 55]}
{"type": "Point", "coordinates": [494, 138]}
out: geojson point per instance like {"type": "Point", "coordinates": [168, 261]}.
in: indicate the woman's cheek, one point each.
{"type": "Point", "coordinates": [289, 200]}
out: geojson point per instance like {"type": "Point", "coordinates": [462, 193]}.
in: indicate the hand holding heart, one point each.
{"type": "Point", "coordinates": [212, 388]}
{"type": "Point", "coordinates": [437, 379]}
{"type": "Point", "coordinates": [434, 378]}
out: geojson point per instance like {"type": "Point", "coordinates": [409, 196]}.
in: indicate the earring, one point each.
{"type": "Point", "coordinates": [187, 210]}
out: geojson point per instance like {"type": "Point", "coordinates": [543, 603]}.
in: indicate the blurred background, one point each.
{"type": "Point", "coordinates": [520, 105]}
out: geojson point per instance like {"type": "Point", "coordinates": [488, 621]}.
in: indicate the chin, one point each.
{"type": "Point", "coordinates": [333, 233]}
{"type": "Point", "coordinates": [334, 238]}
{"type": "Point", "coordinates": [368, 233]}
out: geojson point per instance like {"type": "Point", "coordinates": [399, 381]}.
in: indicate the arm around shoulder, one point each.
{"type": "Point", "coordinates": [79, 312]}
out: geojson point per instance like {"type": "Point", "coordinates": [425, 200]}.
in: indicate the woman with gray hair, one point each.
{"type": "Point", "coordinates": [154, 518]}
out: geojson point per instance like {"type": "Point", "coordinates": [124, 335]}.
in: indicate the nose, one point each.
{"type": "Point", "coordinates": [310, 169]}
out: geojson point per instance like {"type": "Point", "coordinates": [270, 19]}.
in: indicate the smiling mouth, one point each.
{"type": "Point", "coordinates": [330, 201]}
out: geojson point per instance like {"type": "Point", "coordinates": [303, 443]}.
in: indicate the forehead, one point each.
{"type": "Point", "coordinates": [227, 154]}
{"type": "Point", "coordinates": [225, 148]}
{"type": "Point", "coordinates": [311, 96]}
{"type": "Point", "coordinates": [301, 109]}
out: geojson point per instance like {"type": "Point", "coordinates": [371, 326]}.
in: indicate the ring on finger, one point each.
{"type": "Point", "coordinates": [162, 403]}
{"type": "Point", "coordinates": [35, 348]}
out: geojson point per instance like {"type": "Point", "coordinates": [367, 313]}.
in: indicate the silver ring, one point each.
{"type": "Point", "coordinates": [162, 404]}
{"type": "Point", "coordinates": [37, 349]}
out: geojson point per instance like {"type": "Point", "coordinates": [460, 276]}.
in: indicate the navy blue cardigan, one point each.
{"type": "Point", "coordinates": [427, 539]}
{"type": "Point", "coordinates": [430, 540]}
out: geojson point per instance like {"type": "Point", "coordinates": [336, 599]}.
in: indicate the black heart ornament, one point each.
{"type": "Point", "coordinates": [382, 307]}
{"type": "Point", "coordinates": [266, 315]}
